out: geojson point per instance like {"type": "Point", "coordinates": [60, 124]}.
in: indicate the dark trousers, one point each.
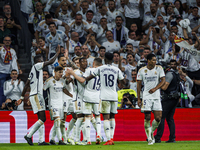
{"type": "Point", "coordinates": [169, 107]}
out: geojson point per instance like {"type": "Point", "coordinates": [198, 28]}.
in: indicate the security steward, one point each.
{"type": "Point", "coordinates": [170, 99]}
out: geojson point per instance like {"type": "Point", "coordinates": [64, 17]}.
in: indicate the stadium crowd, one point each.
{"type": "Point", "coordinates": [78, 33]}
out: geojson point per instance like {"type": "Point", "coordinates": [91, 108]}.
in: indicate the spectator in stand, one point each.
{"type": "Point", "coordinates": [28, 7]}
{"type": "Point", "coordinates": [76, 61]}
{"type": "Point", "coordinates": [112, 12]}
{"type": "Point", "coordinates": [120, 32]}
{"type": "Point", "coordinates": [86, 54]}
{"type": "Point", "coordinates": [179, 6]}
{"type": "Point", "coordinates": [43, 26]}
{"type": "Point", "coordinates": [66, 15]}
{"type": "Point", "coordinates": [133, 82]}
{"type": "Point", "coordinates": [36, 17]}
{"type": "Point", "coordinates": [8, 62]}
{"type": "Point", "coordinates": [39, 50]}
{"type": "Point", "coordinates": [80, 26]}
{"type": "Point", "coordinates": [194, 17]}
{"type": "Point", "coordinates": [132, 13]}
{"type": "Point", "coordinates": [102, 51]}
{"type": "Point", "coordinates": [55, 38]}
{"type": "Point", "coordinates": [77, 51]}
{"type": "Point", "coordinates": [132, 64]}
{"type": "Point", "coordinates": [13, 88]}
{"type": "Point", "coordinates": [100, 14]}
{"type": "Point", "coordinates": [111, 45]}
{"type": "Point", "coordinates": [92, 26]}
{"type": "Point", "coordinates": [135, 29]}
{"type": "Point", "coordinates": [3, 31]}
{"type": "Point", "coordinates": [116, 59]}
{"type": "Point", "coordinates": [11, 22]}
{"type": "Point", "coordinates": [72, 43]}
{"type": "Point", "coordinates": [82, 8]}
{"type": "Point", "coordinates": [101, 34]}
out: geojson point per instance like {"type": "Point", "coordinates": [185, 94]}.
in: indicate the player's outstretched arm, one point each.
{"type": "Point", "coordinates": [27, 85]}
{"type": "Point", "coordinates": [158, 86]}
{"type": "Point", "coordinates": [71, 63]}
{"type": "Point", "coordinates": [52, 60]}
{"type": "Point", "coordinates": [139, 84]}
{"type": "Point", "coordinates": [89, 77]}
{"type": "Point", "coordinates": [67, 92]}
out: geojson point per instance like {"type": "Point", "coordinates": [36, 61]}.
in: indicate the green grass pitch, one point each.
{"type": "Point", "coordinates": [183, 145]}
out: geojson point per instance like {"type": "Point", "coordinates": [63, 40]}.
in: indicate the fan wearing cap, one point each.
{"type": "Point", "coordinates": [108, 79]}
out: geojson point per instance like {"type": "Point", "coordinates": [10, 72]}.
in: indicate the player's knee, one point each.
{"type": "Point", "coordinates": [158, 119]}
{"type": "Point", "coordinates": [112, 116]}
{"type": "Point", "coordinates": [147, 116]}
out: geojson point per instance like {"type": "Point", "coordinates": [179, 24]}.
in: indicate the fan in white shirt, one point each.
{"type": "Point", "coordinates": [111, 45]}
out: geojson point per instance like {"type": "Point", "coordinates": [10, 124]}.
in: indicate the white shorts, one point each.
{"type": "Point", "coordinates": [108, 107]}
{"type": "Point", "coordinates": [37, 103]}
{"type": "Point", "coordinates": [78, 106]}
{"type": "Point", "coordinates": [151, 104]}
{"type": "Point", "coordinates": [56, 112]}
{"type": "Point", "coordinates": [68, 106]}
{"type": "Point", "coordinates": [88, 108]}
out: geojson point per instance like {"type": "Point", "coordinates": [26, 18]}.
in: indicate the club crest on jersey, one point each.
{"type": "Point", "coordinates": [50, 38]}
{"type": "Point", "coordinates": [45, 27]}
{"type": "Point", "coordinates": [4, 50]}
{"type": "Point", "coordinates": [116, 45]}
{"type": "Point", "coordinates": [145, 71]}
{"type": "Point", "coordinates": [155, 73]}
{"type": "Point", "coordinates": [59, 39]}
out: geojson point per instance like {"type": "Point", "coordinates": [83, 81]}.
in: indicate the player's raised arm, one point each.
{"type": "Point", "coordinates": [27, 86]}
{"type": "Point", "coordinates": [71, 63]}
{"type": "Point", "coordinates": [52, 60]}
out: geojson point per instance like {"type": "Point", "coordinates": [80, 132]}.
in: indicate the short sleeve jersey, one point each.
{"type": "Point", "coordinates": [92, 88]}
{"type": "Point", "coordinates": [36, 79]}
{"type": "Point", "coordinates": [151, 79]}
{"type": "Point", "coordinates": [108, 75]}
{"type": "Point", "coordinates": [56, 91]}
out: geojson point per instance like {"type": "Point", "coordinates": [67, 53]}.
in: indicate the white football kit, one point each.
{"type": "Point", "coordinates": [151, 79]}
{"type": "Point", "coordinates": [91, 97]}
{"type": "Point", "coordinates": [36, 85]}
{"type": "Point", "coordinates": [108, 78]}
{"type": "Point", "coordinates": [78, 93]}
{"type": "Point", "coordinates": [56, 96]}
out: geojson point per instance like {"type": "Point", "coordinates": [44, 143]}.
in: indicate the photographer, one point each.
{"type": "Point", "coordinates": [128, 101]}
{"type": "Point", "coordinates": [13, 88]}
{"type": "Point", "coordinates": [126, 96]}
{"type": "Point", "coordinates": [9, 105]}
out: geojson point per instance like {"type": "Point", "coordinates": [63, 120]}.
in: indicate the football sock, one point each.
{"type": "Point", "coordinates": [41, 133]}
{"type": "Point", "coordinates": [35, 127]}
{"type": "Point", "coordinates": [98, 123]}
{"type": "Point", "coordinates": [53, 135]}
{"type": "Point", "coordinates": [107, 128]}
{"type": "Point", "coordinates": [112, 128]}
{"type": "Point", "coordinates": [57, 126]}
{"type": "Point", "coordinates": [70, 126]}
{"type": "Point", "coordinates": [93, 121]}
{"type": "Point", "coordinates": [147, 128]}
{"type": "Point", "coordinates": [83, 130]}
{"type": "Point", "coordinates": [87, 128]}
{"type": "Point", "coordinates": [78, 125]}
{"type": "Point", "coordinates": [155, 125]}
{"type": "Point", "coordinates": [62, 129]}
{"type": "Point", "coordinates": [73, 132]}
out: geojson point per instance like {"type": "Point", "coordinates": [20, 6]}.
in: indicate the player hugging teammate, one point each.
{"type": "Point", "coordinates": [81, 92]}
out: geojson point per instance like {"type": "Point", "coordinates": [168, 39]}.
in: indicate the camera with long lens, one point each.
{"type": "Point", "coordinates": [131, 98]}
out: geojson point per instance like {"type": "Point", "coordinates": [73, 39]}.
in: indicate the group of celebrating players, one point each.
{"type": "Point", "coordinates": [87, 92]}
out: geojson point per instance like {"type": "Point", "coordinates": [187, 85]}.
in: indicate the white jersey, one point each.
{"type": "Point", "coordinates": [79, 29]}
{"type": "Point", "coordinates": [59, 39]}
{"type": "Point", "coordinates": [111, 47]}
{"type": "Point", "coordinates": [36, 79]}
{"type": "Point", "coordinates": [92, 88]}
{"type": "Point", "coordinates": [151, 79]}
{"type": "Point", "coordinates": [108, 75]}
{"type": "Point", "coordinates": [90, 61]}
{"type": "Point", "coordinates": [78, 87]}
{"type": "Point", "coordinates": [66, 18]}
{"type": "Point", "coordinates": [44, 28]}
{"type": "Point", "coordinates": [56, 91]}
{"type": "Point", "coordinates": [69, 86]}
